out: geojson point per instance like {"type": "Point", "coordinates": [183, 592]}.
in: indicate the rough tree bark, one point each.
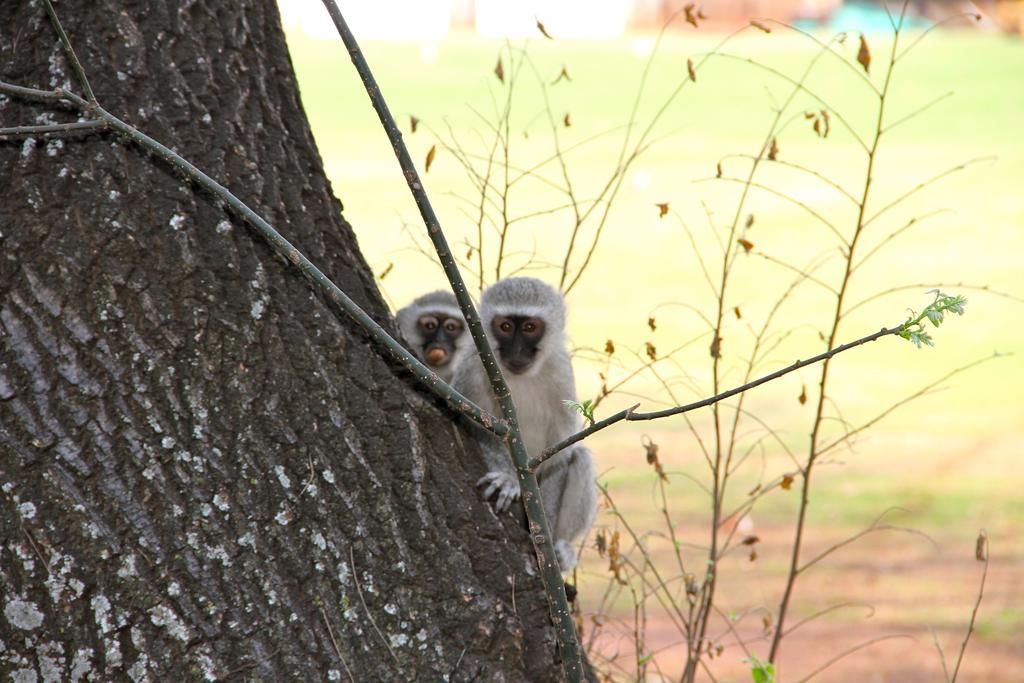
{"type": "Point", "coordinates": [206, 473]}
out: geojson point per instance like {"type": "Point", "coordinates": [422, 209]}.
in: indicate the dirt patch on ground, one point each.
{"type": "Point", "coordinates": [900, 594]}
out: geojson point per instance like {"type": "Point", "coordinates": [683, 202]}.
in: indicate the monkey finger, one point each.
{"type": "Point", "coordinates": [509, 495]}
{"type": "Point", "coordinates": [491, 489]}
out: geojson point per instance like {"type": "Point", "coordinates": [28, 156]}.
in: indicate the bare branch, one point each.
{"type": "Point", "coordinates": [50, 129]}
{"type": "Point", "coordinates": [72, 57]}
{"type": "Point", "coordinates": [981, 553]}
{"type": "Point", "coordinates": [782, 195]}
{"type": "Point", "coordinates": [917, 111]}
{"type": "Point", "coordinates": [922, 185]}
{"type": "Point", "coordinates": [850, 651]}
{"type": "Point", "coordinates": [633, 416]}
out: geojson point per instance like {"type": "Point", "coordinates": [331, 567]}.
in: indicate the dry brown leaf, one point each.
{"type": "Point", "coordinates": [609, 348]}
{"type": "Point", "coordinates": [981, 547]}
{"type": "Point", "coordinates": [753, 554]}
{"type": "Point", "coordinates": [750, 221]}
{"type": "Point", "coordinates": [746, 244]}
{"type": "Point", "coordinates": [650, 450]}
{"type": "Point", "coordinates": [413, 123]}
{"type": "Point", "coordinates": [787, 482]}
{"type": "Point", "coordinates": [652, 352]}
{"type": "Point", "coordinates": [690, 70]}
{"type": "Point", "coordinates": [469, 253]}
{"type": "Point", "coordinates": [562, 75]}
{"type": "Point", "coordinates": [691, 18]}
{"type": "Point", "coordinates": [760, 26]}
{"type": "Point", "coordinates": [751, 540]}
{"type": "Point", "coordinates": [430, 157]}
{"type": "Point", "coordinates": [736, 310]}
{"type": "Point", "coordinates": [662, 209]}
{"type": "Point", "coordinates": [718, 170]}
{"type": "Point", "coordinates": [716, 348]}
{"type": "Point", "coordinates": [499, 70]}
{"type": "Point", "coordinates": [566, 120]}
{"type": "Point", "coordinates": [828, 122]}
{"type": "Point", "coordinates": [691, 584]}
{"type": "Point", "coordinates": [803, 395]}
{"type": "Point", "coordinates": [543, 31]}
{"type": "Point", "coordinates": [773, 151]}
{"type": "Point", "coordinates": [652, 324]}
{"type": "Point", "coordinates": [864, 55]}
{"type": "Point", "coordinates": [387, 270]}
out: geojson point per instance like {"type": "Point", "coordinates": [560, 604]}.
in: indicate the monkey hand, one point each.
{"type": "Point", "coordinates": [504, 484]}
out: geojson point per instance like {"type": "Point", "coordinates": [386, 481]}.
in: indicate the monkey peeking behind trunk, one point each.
{"type": "Point", "coordinates": [434, 327]}
{"type": "Point", "coordinates": [524, 320]}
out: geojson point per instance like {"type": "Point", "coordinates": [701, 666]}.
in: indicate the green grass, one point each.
{"type": "Point", "coordinates": [644, 261]}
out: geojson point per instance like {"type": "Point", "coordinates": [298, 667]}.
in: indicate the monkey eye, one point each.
{"type": "Point", "coordinates": [428, 323]}
{"type": "Point", "coordinates": [533, 327]}
{"type": "Point", "coordinates": [506, 326]}
{"type": "Point", "coordinates": [452, 325]}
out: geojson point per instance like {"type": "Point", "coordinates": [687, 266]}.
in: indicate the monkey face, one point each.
{"type": "Point", "coordinates": [438, 334]}
{"type": "Point", "coordinates": [518, 340]}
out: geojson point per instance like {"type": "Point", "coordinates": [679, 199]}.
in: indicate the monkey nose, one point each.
{"type": "Point", "coordinates": [437, 356]}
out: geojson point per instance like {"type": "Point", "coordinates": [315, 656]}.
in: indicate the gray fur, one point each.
{"type": "Point", "coordinates": [566, 479]}
{"type": "Point", "coordinates": [437, 302]}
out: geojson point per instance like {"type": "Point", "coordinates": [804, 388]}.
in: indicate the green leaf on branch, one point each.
{"type": "Point", "coordinates": [761, 672]}
{"type": "Point", "coordinates": [586, 409]}
{"type": "Point", "coordinates": [914, 330]}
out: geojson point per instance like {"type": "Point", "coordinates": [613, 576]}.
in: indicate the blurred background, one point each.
{"type": "Point", "coordinates": [604, 175]}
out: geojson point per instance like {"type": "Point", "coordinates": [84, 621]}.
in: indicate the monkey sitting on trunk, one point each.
{"type": "Point", "coordinates": [524, 319]}
{"type": "Point", "coordinates": [434, 327]}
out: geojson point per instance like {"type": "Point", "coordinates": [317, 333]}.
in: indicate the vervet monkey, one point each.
{"type": "Point", "coordinates": [524, 319]}
{"type": "Point", "coordinates": [434, 326]}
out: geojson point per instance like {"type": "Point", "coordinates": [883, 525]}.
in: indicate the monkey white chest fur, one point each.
{"type": "Point", "coordinates": [525, 323]}
{"type": "Point", "coordinates": [539, 420]}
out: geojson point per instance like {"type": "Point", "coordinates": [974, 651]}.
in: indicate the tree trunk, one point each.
{"type": "Point", "coordinates": [205, 471]}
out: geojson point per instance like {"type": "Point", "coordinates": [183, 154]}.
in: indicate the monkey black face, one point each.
{"type": "Point", "coordinates": [518, 340]}
{"type": "Point", "coordinates": [439, 333]}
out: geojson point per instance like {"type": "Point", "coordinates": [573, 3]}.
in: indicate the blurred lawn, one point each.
{"type": "Point", "coordinates": [952, 459]}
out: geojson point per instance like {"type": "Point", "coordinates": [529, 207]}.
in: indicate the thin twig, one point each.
{"type": "Point", "coordinates": [359, 590]}
{"type": "Point", "coordinates": [633, 416]}
{"type": "Point", "coordinates": [942, 655]}
{"type": "Point", "coordinates": [850, 651]}
{"type": "Point", "coordinates": [782, 195]}
{"type": "Point", "coordinates": [981, 553]}
{"type": "Point", "coordinates": [334, 642]}
{"type": "Point", "coordinates": [52, 128]}
{"type": "Point", "coordinates": [917, 112]}
{"type": "Point", "coordinates": [75, 64]}
{"type": "Point", "coordinates": [923, 184]}
{"type": "Point", "coordinates": [907, 399]}
{"type": "Point", "coordinates": [803, 169]}
{"type": "Point", "coordinates": [32, 93]}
